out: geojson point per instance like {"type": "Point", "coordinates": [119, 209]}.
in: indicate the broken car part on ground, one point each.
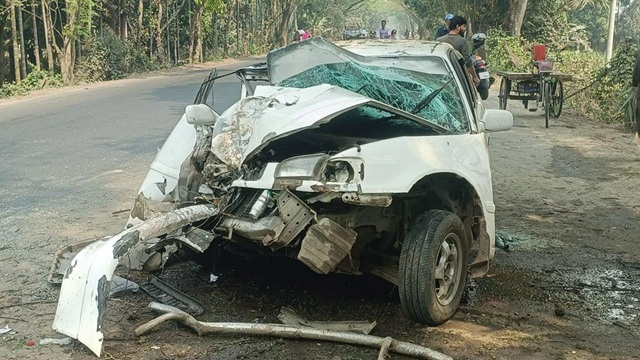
{"type": "Point", "coordinates": [367, 158]}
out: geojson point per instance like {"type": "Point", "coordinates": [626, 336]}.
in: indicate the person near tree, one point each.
{"type": "Point", "coordinates": [455, 38]}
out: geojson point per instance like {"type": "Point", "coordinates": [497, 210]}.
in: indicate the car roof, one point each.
{"type": "Point", "coordinates": [377, 47]}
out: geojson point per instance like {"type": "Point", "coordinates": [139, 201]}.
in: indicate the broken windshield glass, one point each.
{"type": "Point", "coordinates": [400, 81]}
{"type": "Point", "coordinates": [403, 89]}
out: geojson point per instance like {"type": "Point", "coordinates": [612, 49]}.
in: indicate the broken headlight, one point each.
{"type": "Point", "coordinates": [306, 167]}
{"type": "Point", "coordinates": [339, 171]}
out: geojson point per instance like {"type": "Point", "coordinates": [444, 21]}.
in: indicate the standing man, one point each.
{"type": "Point", "coordinates": [383, 32]}
{"type": "Point", "coordinates": [455, 38]}
{"type": "Point", "coordinates": [444, 29]}
{"type": "Point", "coordinates": [635, 82]}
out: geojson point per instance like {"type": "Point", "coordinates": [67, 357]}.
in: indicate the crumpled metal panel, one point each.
{"type": "Point", "coordinates": [296, 214]}
{"type": "Point", "coordinates": [325, 245]}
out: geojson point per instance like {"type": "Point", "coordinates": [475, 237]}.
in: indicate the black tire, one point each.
{"type": "Point", "coordinates": [425, 296]}
{"type": "Point", "coordinates": [557, 98]}
{"type": "Point", "coordinates": [483, 89]}
{"type": "Point", "coordinates": [547, 102]}
{"type": "Point", "coordinates": [505, 89]}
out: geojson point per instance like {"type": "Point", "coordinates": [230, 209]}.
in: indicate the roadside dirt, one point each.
{"type": "Point", "coordinates": [568, 288]}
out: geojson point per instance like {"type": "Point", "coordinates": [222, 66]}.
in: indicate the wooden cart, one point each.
{"type": "Point", "coordinates": [542, 87]}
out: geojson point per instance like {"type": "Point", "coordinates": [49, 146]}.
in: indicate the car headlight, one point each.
{"type": "Point", "coordinates": [306, 167]}
{"type": "Point", "coordinates": [339, 171]}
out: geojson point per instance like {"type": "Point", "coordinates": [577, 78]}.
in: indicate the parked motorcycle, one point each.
{"type": "Point", "coordinates": [480, 65]}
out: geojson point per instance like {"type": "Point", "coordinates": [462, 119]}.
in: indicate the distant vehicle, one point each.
{"type": "Point", "coordinates": [350, 34]}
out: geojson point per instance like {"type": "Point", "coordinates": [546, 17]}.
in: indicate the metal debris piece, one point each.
{"type": "Point", "coordinates": [289, 317]}
{"type": "Point", "coordinates": [325, 245]}
{"type": "Point", "coordinates": [119, 286]}
{"type": "Point", "coordinates": [167, 294]}
{"type": "Point", "coordinates": [286, 331]}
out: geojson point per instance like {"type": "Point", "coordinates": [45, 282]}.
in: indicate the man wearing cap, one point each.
{"type": "Point", "coordinates": [444, 29]}
{"type": "Point", "coordinates": [455, 38]}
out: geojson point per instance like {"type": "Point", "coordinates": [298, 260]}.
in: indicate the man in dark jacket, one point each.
{"type": "Point", "coordinates": [444, 29]}
{"type": "Point", "coordinates": [635, 82]}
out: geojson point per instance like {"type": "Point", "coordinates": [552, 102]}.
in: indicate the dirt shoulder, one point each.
{"type": "Point", "coordinates": [568, 288]}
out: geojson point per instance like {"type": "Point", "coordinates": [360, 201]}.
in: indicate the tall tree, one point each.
{"type": "Point", "coordinates": [518, 9]}
{"type": "Point", "coordinates": [48, 33]}
{"type": "Point", "coordinates": [14, 40]}
{"type": "Point", "coordinates": [36, 43]}
{"type": "Point", "coordinates": [23, 50]}
{"type": "Point", "coordinates": [2, 62]}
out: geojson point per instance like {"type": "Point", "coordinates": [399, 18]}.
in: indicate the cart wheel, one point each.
{"type": "Point", "coordinates": [505, 88]}
{"type": "Point", "coordinates": [546, 98]}
{"type": "Point", "coordinates": [557, 98]}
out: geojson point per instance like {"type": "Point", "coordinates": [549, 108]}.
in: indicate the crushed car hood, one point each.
{"type": "Point", "coordinates": [276, 112]}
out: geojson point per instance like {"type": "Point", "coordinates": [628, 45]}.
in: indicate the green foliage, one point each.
{"type": "Point", "coordinates": [36, 80]}
{"type": "Point", "coordinates": [508, 53]}
{"type": "Point", "coordinates": [613, 97]}
{"type": "Point", "coordinates": [108, 58]}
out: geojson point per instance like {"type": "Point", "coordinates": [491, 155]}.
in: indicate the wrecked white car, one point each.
{"type": "Point", "coordinates": [367, 158]}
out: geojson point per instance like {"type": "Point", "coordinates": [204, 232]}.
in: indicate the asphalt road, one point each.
{"type": "Point", "coordinates": [68, 144]}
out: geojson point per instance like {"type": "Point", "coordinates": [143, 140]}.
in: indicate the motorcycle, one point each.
{"type": "Point", "coordinates": [480, 65]}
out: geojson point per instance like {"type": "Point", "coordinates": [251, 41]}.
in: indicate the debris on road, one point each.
{"type": "Point", "coordinates": [167, 294]}
{"type": "Point", "coordinates": [30, 343]}
{"type": "Point", "coordinates": [119, 286]}
{"type": "Point", "coordinates": [289, 317]}
{"type": "Point", "coordinates": [5, 330]}
{"type": "Point", "coordinates": [286, 331]}
{"type": "Point", "coordinates": [56, 341]}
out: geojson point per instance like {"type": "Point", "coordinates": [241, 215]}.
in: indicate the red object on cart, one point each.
{"type": "Point", "coordinates": [539, 52]}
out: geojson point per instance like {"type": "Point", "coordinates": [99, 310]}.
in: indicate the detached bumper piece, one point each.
{"type": "Point", "coordinates": [85, 287]}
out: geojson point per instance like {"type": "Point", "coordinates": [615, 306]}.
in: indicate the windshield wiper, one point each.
{"type": "Point", "coordinates": [424, 102]}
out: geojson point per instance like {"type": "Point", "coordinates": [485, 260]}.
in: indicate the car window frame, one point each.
{"type": "Point", "coordinates": [457, 62]}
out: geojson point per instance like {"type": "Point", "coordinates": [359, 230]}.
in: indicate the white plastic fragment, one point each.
{"type": "Point", "coordinates": [5, 330]}
{"type": "Point", "coordinates": [213, 278]}
{"type": "Point", "coordinates": [56, 341]}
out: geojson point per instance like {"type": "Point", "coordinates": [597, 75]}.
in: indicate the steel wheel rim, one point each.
{"type": "Point", "coordinates": [448, 270]}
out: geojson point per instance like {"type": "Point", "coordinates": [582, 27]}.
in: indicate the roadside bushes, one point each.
{"type": "Point", "coordinates": [36, 80]}
{"type": "Point", "coordinates": [106, 57]}
{"type": "Point", "coordinates": [605, 93]}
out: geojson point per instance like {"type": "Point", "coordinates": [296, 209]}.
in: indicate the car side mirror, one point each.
{"type": "Point", "coordinates": [495, 120]}
{"type": "Point", "coordinates": [201, 114]}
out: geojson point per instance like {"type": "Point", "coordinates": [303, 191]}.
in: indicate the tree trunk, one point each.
{"type": "Point", "coordinates": [2, 68]}
{"type": "Point", "coordinates": [517, 9]}
{"type": "Point", "coordinates": [23, 51]}
{"type": "Point", "coordinates": [159, 30]}
{"type": "Point", "coordinates": [48, 34]}
{"type": "Point", "coordinates": [124, 20]}
{"type": "Point", "coordinates": [139, 30]}
{"type": "Point", "coordinates": [288, 8]}
{"type": "Point", "coordinates": [36, 43]}
{"type": "Point", "coordinates": [14, 40]}
{"type": "Point", "coordinates": [198, 55]}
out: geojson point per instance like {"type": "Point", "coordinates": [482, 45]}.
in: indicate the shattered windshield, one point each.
{"type": "Point", "coordinates": [400, 88]}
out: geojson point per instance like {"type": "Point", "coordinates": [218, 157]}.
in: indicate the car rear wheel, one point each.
{"type": "Point", "coordinates": [433, 267]}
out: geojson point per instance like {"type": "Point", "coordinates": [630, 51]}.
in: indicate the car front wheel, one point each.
{"type": "Point", "coordinates": [433, 267]}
